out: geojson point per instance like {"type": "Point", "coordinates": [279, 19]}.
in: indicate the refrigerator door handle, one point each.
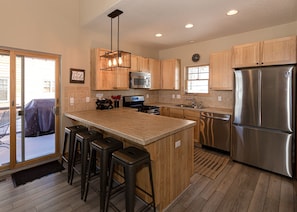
{"type": "Point", "coordinates": [260, 97]}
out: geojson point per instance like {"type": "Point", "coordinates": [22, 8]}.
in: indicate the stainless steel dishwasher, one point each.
{"type": "Point", "coordinates": [215, 130]}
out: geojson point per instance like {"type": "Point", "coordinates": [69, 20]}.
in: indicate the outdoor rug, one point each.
{"type": "Point", "coordinates": [28, 175]}
{"type": "Point", "coordinates": [209, 164]}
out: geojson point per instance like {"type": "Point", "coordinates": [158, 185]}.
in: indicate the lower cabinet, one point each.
{"type": "Point", "coordinates": [189, 114]}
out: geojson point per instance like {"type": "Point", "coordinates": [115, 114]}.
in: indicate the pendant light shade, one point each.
{"type": "Point", "coordinates": [116, 58]}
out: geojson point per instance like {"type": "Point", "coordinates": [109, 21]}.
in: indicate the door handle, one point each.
{"type": "Point", "coordinates": [20, 112]}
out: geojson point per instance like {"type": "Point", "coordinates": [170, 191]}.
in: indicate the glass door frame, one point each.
{"type": "Point", "coordinates": [13, 164]}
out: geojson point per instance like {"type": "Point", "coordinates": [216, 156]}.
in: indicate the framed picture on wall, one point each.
{"type": "Point", "coordinates": [77, 75]}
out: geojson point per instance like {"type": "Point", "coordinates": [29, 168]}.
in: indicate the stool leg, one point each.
{"type": "Point", "coordinates": [109, 185]}
{"type": "Point", "coordinates": [152, 185]}
{"type": "Point", "coordinates": [130, 185]}
{"type": "Point", "coordinates": [103, 178]}
{"type": "Point", "coordinates": [64, 148]}
{"type": "Point", "coordinates": [84, 162]}
{"type": "Point", "coordinates": [89, 174]}
{"type": "Point", "coordinates": [71, 140]}
{"type": "Point", "coordinates": [73, 163]}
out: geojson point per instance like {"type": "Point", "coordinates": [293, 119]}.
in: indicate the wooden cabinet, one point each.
{"type": "Point", "coordinates": [270, 52]}
{"type": "Point", "coordinates": [165, 111]}
{"type": "Point", "coordinates": [170, 74]}
{"type": "Point", "coordinates": [117, 79]}
{"type": "Point", "coordinates": [139, 63]}
{"type": "Point", "coordinates": [155, 70]}
{"type": "Point", "coordinates": [183, 114]}
{"type": "Point", "coordinates": [221, 72]}
{"type": "Point", "coordinates": [195, 116]}
{"type": "Point", "coordinates": [177, 113]}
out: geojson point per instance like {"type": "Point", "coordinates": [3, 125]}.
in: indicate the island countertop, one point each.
{"type": "Point", "coordinates": [141, 128]}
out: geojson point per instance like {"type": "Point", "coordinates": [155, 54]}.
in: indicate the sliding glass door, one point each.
{"type": "Point", "coordinates": [33, 108]}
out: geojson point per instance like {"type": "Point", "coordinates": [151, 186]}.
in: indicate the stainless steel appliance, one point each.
{"type": "Point", "coordinates": [263, 128]}
{"type": "Point", "coordinates": [138, 102]}
{"type": "Point", "coordinates": [140, 80]}
{"type": "Point", "coordinates": [215, 130]}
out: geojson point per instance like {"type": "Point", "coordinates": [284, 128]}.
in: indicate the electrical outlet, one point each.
{"type": "Point", "coordinates": [87, 99]}
{"type": "Point", "coordinates": [219, 98]}
{"type": "Point", "coordinates": [71, 101]}
{"type": "Point", "coordinates": [177, 143]}
{"type": "Point", "coordinates": [173, 96]}
{"type": "Point", "coordinates": [178, 96]}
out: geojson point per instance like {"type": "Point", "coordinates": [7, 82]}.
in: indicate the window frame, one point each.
{"type": "Point", "coordinates": [186, 77]}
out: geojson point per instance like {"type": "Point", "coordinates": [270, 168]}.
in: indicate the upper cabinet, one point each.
{"type": "Point", "coordinates": [139, 63]}
{"type": "Point", "coordinates": [221, 72]}
{"type": "Point", "coordinates": [270, 52]}
{"type": "Point", "coordinates": [170, 74]}
{"type": "Point", "coordinates": [117, 79]}
{"type": "Point", "coordinates": [155, 70]}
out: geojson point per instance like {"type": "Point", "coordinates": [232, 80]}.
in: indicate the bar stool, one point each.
{"type": "Point", "coordinates": [130, 159]}
{"type": "Point", "coordinates": [69, 137]}
{"type": "Point", "coordinates": [105, 147]}
{"type": "Point", "coordinates": [83, 139]}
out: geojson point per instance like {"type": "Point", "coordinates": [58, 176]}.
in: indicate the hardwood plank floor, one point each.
{"type": "Point", "coordinates": [237, 188]}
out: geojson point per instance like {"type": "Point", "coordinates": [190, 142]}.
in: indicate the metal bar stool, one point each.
{"type": "Point", "coordinates": [83, 139]}
{"type": "Point", "coordinates": [130, 158]}
{"type": "Point", "coordinates": [105, 147]}
{"type": "Point", "coordinates": [69, 137]}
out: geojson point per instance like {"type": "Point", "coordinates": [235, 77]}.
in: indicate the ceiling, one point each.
{"type": "Point", "coordinates": [142, 19]}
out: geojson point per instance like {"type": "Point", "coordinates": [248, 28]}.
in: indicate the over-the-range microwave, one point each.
{"type": "Point", "coordinates": [140, 80]}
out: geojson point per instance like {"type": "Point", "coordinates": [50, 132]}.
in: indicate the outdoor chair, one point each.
{"type": "Point", "coordinates": [4, 125]}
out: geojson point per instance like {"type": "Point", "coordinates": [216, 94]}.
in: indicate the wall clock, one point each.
{"type": "Point", "coordinates": [195, 57]}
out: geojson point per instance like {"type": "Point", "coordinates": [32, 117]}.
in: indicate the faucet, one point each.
{"type": "Point", "coordinates": [193, 102]}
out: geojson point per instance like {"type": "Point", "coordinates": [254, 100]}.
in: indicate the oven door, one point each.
{"type": "Point", "coordinates": [140, 80]}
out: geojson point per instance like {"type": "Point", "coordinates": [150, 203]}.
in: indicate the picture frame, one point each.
{"type": "Point", "coordinates": [77, 75]}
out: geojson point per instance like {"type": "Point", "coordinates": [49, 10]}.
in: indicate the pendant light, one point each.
{"type": "Point", "coordinates": [117, 58]}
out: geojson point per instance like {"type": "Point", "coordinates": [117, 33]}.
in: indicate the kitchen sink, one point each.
{"type": "Point", "coordinates": [190, 106]}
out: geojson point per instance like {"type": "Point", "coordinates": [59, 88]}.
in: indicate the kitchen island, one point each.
{"type": "Point", "coordinates": [169, 141]}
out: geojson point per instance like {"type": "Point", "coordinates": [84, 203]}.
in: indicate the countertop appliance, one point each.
{"type": "Point", "coordinates": [215, 130]}
{"type": "Point", "coordinates": [140, 80]}
{"type": "Point", "coordinates": [263, 127]}
{"type": "Point", "coordinates": [137, 101]}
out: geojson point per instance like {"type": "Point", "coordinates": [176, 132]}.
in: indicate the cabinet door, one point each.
{"type": "Point", "coordinates": [155, 70]}
{"type": "Point", "coordinates": [100, 80]}
{"type": "Point", "coordinates": [134, 63]}
{"type": "Point", "coordinates": [170, 74]}
{"type": "Point", "coordinates": [246, 55]}
{"type": "Point", "coordinates": [121, 79]}
{"type": "Point", "coordinates": [221, 73]}
{"type": "Point", "coordinates": [279, 51]}
{"type": "Point", "coordinates": [195, 116]}
{"type": "Point", "coordinates": [143, 64]}
{"type": "Point", "coordinates": [177, 113]}
{"type": "Point", "coordinates": [165, 111]}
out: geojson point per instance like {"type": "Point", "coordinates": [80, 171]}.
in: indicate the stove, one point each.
{"type": "Point", "coordinates": [138, 102]}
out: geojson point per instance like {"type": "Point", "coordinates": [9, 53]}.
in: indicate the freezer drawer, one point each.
{"type": "Point", "coordinates": [266, 149]}
{"type": "Point", "coordinates": [215, 130]}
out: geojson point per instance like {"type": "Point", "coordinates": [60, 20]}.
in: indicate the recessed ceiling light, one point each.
{"type": "Point", "coordinates": [232, 12]}
{"type": "Point", "coordinates": [188, 26]}
{"type": "Point", "coordinates": [158, 35]}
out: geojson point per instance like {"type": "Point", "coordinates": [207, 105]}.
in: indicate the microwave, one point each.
{"type": "Point", "coordinates": [140, 80]}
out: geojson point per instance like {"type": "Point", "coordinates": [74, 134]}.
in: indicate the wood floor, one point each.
{"type": "Point", "coordinates": [237, 188]}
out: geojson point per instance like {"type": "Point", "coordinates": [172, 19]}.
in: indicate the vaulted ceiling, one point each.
{"type": "Point", "coordinates": [142, 19]}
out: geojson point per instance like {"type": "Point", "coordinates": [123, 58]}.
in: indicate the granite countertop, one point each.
{"type": "Point", "coordinates": [206, 109]}
{"type": "Point", "coordinates": [141, 128]}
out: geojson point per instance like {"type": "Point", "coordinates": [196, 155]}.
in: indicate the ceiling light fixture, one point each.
{"type": "Point", "coordinates": [116, 58]}
{"type": "Point", "coordinates": [232, 12]}
{"type": "Point", "coordinates": [158, 35]}
{"type": "Point", "coordinates": [189, 26]}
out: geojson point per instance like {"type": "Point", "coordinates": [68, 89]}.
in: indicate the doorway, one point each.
{"type": "Point", "coordinates": [29, 94]}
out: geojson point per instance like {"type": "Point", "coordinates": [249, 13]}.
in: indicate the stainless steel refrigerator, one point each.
{"type": "Point", "coordinates": [263, 129]}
